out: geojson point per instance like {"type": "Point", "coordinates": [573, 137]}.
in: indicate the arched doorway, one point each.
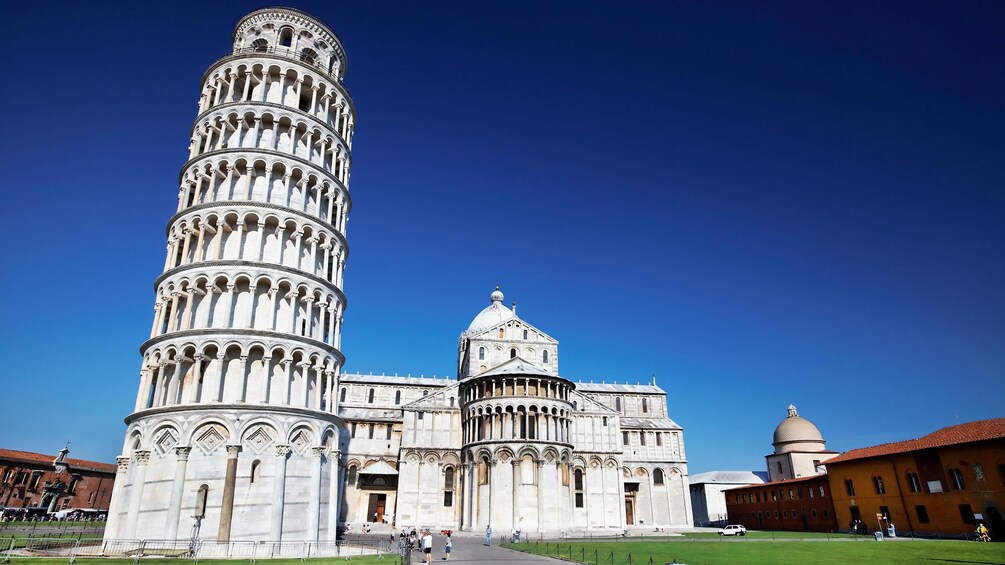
{"type": "Point", "coordinates": [995, 522]}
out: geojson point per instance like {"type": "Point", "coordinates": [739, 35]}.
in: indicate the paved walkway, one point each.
{"type": "Point", "coordinates": [470, 548]}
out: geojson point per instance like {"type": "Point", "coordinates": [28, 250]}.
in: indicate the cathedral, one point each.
{"type": "Point", "coordinates": [245, 426]}
{"type": "Point", "coordinates": [510, 443]}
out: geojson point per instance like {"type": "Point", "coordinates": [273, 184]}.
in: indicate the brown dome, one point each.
{"type": "Point", "coordinates": [796, 433]}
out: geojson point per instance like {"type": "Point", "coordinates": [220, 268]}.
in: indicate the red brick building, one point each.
{"type": "Point", "coordinates": [803, 504]}
{"type": "Point", "coordinates": [54, 482]}
{"type": "Point", "coordinates": [945, 482]}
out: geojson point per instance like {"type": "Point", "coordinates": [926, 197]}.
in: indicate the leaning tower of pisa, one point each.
{"type": "Point", "coordinates": [234, 435]}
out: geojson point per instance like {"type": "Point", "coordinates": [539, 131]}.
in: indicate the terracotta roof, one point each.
{"type": "Point", "coordinates": [982, 430]}
{"type": "Point", "coordinates": [46, 460]}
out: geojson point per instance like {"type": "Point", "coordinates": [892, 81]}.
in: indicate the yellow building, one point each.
{"type": "Point", "coordinates": [944, 483]}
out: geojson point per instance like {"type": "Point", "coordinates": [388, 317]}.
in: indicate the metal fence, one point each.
{"type": "Point", "coordinates": [49, 547]}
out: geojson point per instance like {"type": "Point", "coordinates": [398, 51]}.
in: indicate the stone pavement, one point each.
{"type": "Point", "coordinates": [470, 548]}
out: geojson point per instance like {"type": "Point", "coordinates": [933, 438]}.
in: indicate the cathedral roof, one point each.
{"type": "Point", "coordinates": [396, 380]}
{"type": "Point", "coordinates": [516, 366]}
{"type": "Point", "coordinates": [368, 414]}
{"type": "Point", "coordinates": [437, 400]}
{"type": "Point", "coordinates": [649, 424]}
{"type": "Point", "coordinates": [622, 388]}
{"type": "Point", "coordinates": [493, 314]}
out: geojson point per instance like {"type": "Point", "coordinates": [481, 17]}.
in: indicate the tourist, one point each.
{"type": "Point", "coordinates": [488, 535]}
{"type": "Point", "coordinates": [447, 547]}
{"type": "Point", "coordinates": [427, 546]}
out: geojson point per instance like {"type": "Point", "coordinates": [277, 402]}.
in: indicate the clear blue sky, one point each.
{"type": "Point", "coordinates": [759, 203]}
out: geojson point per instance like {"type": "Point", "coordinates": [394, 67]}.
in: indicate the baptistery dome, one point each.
{"type": "Point", "coordinates": [796, 433]}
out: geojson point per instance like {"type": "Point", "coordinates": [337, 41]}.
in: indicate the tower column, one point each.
{"type": "Point", "coordinates": [229, 482]}
{"type": "Point", "coordinates": [139, 477]}
{"type": "Point", "coordinates": [177, 490]}
{"type": "Point", "coordinates": [334, 492]}
{"type": "Point", "coordinates": [314, 506]}
{"type": "Point", "coordinates": [279, 493]}
{"type": "Point", "coordinates": [517, 480]}
{"type": "Point", "coordinates": [115, 504]}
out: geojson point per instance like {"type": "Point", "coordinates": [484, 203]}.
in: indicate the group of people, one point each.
{"type": "Point", "coordinates": [424, 543]}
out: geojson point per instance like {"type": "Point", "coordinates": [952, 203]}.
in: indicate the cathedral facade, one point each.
{"type": "Point", "coordinates": [510, 443]}
{"type": "Point", "coordinates": [245, 427]}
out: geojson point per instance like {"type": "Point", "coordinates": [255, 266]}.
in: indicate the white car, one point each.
{"type": "Point", "coordinates": [733, 530]}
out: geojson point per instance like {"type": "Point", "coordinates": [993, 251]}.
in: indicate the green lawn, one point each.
{"type": "Point", "coordinates": [771, 535]}
{"type": "Point", "coordinates": [766, 552]}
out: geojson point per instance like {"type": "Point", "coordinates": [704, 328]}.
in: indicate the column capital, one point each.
{"type": "Point", "coordinates": [142, 456]}
{"type": "Point", "coordinates": [123, 463]}
{"type": "Point", "coordinates": [183, 452]}
{"type": "Point", "coordinates": [282, 450]}
{"type": "Point", "coordinates": [317, 452]}
{"type": "Point", "coordinates": [232, 451]}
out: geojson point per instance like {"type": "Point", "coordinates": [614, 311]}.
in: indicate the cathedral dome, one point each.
{"type": "Point", "coordinates": [796, 433]}
{"type": "Point", "coordinates": [493, 314]}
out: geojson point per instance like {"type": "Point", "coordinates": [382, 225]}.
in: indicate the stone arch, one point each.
{"type": "Point", "coordinates": [301, 437]}
{"type": "Point", "coordinates": [259, 434]}
{"type": "Point", "coordinates": [504, 454]}
{"type": "Point", "coordinates": [165, 437]}
{"type": "Point", "coordinates": [210, 434]}
{"type": "Point", "coordinates": [135, 440]}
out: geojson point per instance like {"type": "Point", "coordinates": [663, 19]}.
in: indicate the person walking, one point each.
{"type": "Point", "coordinates": [427, 545]}
{"type": "Point", "coordinates": [447, 546]}
{"type": "Point", "coordinates": [488, 535]}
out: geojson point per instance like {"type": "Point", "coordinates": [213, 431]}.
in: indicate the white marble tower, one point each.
{"type": "Point", "coordinates": [235, 422]}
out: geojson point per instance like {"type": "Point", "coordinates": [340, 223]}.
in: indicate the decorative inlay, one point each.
{"type": "Point", "coordinates": [300, 441]}
{"type": "Point", "coordinates": [210, 439]}
{"type": "Point", "coordinates": [165, 442]}
{"type": "Point", "coordinates": [259, 439]}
